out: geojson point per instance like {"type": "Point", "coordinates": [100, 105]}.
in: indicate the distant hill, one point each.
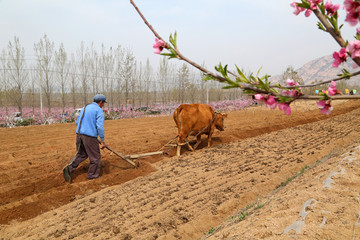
{"type": "Point", "coordinates": [321, 69]}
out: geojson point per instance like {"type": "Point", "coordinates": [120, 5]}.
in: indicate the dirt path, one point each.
{"type": "Point", "coordinates": [166, 198]}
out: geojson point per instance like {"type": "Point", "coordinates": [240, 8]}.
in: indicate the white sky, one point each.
{"type": "Point", "coordinates": [248, 33]}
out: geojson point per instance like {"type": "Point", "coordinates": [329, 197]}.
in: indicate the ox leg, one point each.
{"type": "Point", "coordinates": [209, 136]}
{"type": "Point", "coordinates": [178, 150]}
{"type": "Point", "coordinates": [181, 141]}
{"type": "Point", "coordinates": [198, 141]}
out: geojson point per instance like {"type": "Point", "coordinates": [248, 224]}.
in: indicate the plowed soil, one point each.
{"type": "Point", "coordinates": [235, 189]}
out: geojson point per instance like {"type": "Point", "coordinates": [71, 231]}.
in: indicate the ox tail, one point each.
{"type": "Point", "coordinates": [177, 117]}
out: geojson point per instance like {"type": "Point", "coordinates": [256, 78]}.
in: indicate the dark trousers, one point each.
{"type": "Point", "coordinates": [87, 147]}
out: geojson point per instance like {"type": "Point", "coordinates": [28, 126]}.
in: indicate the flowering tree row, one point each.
{"type": "Point", "coordinates": [31, 117]}
{"type": "Point", "coordinates": [278, 95]}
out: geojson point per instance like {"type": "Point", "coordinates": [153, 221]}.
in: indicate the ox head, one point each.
{"type": "Point", "coordinates": [219, 121]}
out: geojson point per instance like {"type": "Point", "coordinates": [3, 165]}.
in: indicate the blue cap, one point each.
{"type": "Point", "coordinates": [99, 97]}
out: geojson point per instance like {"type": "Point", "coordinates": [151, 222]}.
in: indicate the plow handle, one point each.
{"type": "Point", "coordinates": [119, 155]}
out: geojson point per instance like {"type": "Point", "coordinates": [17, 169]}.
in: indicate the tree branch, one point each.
{"type": "Point", "coordinates": [219, 78]}
{"type": "Point", "coordinates": [335, 34]}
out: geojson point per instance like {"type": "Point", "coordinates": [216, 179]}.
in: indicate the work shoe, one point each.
{"type": "Point", "coordinates": [67, 174]}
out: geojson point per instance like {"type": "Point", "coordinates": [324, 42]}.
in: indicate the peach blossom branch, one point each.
{"type": "Point", "coordinates": [248, 87]}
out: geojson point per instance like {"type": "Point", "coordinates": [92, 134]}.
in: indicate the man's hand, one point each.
{"type": "Point", "coordinates": [103, 145]}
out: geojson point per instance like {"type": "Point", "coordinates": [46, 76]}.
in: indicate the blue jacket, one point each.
{"type": "Point", "coordinates": [92, 123]}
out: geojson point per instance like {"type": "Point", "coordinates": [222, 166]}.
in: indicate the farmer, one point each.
{"type": "Point", "coordinates": [90, 125]}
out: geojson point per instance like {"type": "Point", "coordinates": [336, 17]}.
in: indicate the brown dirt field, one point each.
{"type": "Point", "coordinates": [186, 197]}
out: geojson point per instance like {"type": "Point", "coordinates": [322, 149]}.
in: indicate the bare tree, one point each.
{"type": "Point", "coordinates": [133, 85]}
{"type": "Point", "coordinates": [163, 76]}
{"type": "Point", "coordinates": [33, 79]}
{"type": "Point", "coordinates": [140, 85]}
{"type": "Point", "coordinates": [219, 92]}
{"type": "Point", "coordinates": [154, 91]}
{"type": "Point", "coordinates": [147, 81]}
{"type": "Point", "coordinates": [62, 70]}
{"type": "Point", "coordinates": [128, 72]}
{"type": "Point", "coordinates": [183, 81]}
{"type": "Point", "coordinates": [44, 51]}
{"type": "Point", "coordinates": [73, 81]}
{"type": "Point", "coordinates": [119, 59]}
{"type": "Point", "coordinates": [18, 75]}
{"type": "Point", "coordinates": [84, 62]}
{"type": "Point", "coordinates": [192, 90]}
{"type": "Point", "coordinates": [94, 69]}
{"type": "Point", "coordinates": [204, 88]}
{"type": "Point", "coordinates": [4, 76]}
{"type": "Point", "coordinates": [107, 66]}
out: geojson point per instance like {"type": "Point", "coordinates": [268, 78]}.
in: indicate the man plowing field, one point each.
{"type": "Point", "coordinates": [90, 126]}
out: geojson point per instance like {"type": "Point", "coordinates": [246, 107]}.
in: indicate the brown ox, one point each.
{"type": "Point", "coordinates": [193, 119]}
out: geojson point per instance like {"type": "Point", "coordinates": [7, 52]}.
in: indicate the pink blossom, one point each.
{"type": "Point", "coordinates": [332, 89]}
{"type": "Point", "coordinates": [271, 102]}
{"type": "Point", "coordinates": [293, 92]}
{"type": "Point", "coordinates": [326, 108]}
{"type": "Point", "coordinates": [339, 57]}
{"type": "Point", "coordinates": [330, 8]}
{"type": "Point", "coordinates": [321, 104]}
{"type": "Point", "coordinates": [290, 82]}
{"type": "Point", "coordinates": [313, 6]}
{"type": "Point", "coordinates": [297, 9]}
{"type": "Point", "coordinates": [259, 97]}
{"type": "Point", "coordinates": [352, 11]}
{"type": "Point", "coordinates": [285, 107]}
{"type": "Point", "coordinates": [158, 46]}
{"type": "Point", "coordinates": [315, 2]}
{"type": "Point", "coordinates": [354, 48]}
{"type": "Point", "coordinates": [308, 12]}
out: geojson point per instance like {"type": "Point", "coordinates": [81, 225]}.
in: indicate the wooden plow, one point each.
{"type": "Point", "coordinates": [128, 158]}
{"type": "Point", "coordinates": [168, 145]}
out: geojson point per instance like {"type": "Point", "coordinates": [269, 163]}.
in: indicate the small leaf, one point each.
{"type": "Point", "coordinates": [172, 40]}
{"type": "Point", "coordinates": [258, 72]}
{"type": "Point", "coordinates": [242, 75]}
{"type": "Point", "coordinates": [345, 73]}
{"type": "Point", "coordinates": [285, 99]}
{"type": "Point", "coordinates": [170, 55]}
{"type": "Point", "coordinates": [246, 91]}
{"type": "Point", "coordinates": [322, 8]}
{"type": "Point", "coordinates": [304, 4]}
{"type": "Point", "coordinates": [208, 77]}
{"type": "Point", "coordinates": [230, 82]}
{"type": "Point", "coordinates": [321, 27]}
{"type": "Point", "coordinates": [175, 39]}
{"type": "Point", "coordinates": [229, 87]}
